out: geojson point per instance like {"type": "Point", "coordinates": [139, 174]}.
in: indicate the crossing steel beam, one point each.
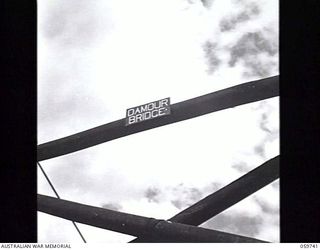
{"type": "Point", "coordinates": [227, 196]}
{"type": "Point", "coordinates": [227, 98]}
{"type": "Point", "coordinates": [133, 224]}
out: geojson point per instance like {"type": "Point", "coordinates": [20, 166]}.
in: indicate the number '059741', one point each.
{"type": "Point", "coordinates": [308, 245]}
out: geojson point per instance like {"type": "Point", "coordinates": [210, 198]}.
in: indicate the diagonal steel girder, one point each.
{"type": "Point", "coordinates": [133, 224]}
{"type": "Point", "coordinates": [227, 196]}
{"type": "Point", "coordinates": [226, 98]}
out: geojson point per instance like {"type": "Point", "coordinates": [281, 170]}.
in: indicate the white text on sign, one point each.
{"type": "Point", "coordinates": [148, 111]}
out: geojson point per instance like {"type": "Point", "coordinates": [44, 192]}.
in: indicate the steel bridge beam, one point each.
{"type": "Point", "coordinates": [219, 100]}
{"type": "Point", "coordinates": [227, 196]}
{"type": "Point", "coordinates": [133, 224]}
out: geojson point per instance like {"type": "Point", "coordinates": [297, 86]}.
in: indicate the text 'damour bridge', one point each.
{"type": "Point", "coordinates": [183, 227]}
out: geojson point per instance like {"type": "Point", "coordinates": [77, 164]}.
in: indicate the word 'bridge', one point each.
{"type": "Point", "coordinates": [182, 227]}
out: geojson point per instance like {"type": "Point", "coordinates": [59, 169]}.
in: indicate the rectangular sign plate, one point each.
{"type": "Point", "coordinates": [148, 111]}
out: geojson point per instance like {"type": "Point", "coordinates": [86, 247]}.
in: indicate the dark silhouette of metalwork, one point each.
{"type": "Point", "coordinates": [219, 100]}
{"type": "Point", "coordinates": [227, 196]}
{"type": "Point", "coordinates": [133, 224]}
{"type": "Point", "coordinates": [58, 196]}
{"type": "Point", "coordinates": [183, 226]}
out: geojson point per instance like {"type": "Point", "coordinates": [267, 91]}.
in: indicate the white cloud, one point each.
{"type": "Point", "coordinates": [98, 59]}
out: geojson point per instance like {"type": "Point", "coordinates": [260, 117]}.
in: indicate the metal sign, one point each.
{"type": "Point", "coordinates": [148, 111]}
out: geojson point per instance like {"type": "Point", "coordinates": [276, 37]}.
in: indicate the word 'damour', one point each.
{"type": "Point", "coordinates": [148, 111]}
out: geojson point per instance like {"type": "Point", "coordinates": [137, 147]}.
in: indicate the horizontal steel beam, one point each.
{"type": "Point", "coordinates": [133, 224]}
{"type": "Point", "coordinates": [227, 196]}
{"type": "Point", "coordinates": [219, 100]}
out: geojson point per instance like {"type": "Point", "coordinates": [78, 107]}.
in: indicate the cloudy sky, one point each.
{"type": "Point", "coordinates": [98, 58]}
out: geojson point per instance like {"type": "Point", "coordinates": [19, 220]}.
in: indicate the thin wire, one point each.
{"type": "Point", "coordinates": [56, 193]}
